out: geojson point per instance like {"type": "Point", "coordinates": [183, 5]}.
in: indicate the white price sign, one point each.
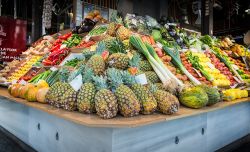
{"type": "Point", "coordinates": [76, 83]}
{"type": "Point", "coordinates": [53, 69]}
{"type": "Point", "coordinates": [141, 79]}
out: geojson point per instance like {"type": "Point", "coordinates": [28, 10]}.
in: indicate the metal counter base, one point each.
{"type": "Point", "coordinates": [204, 132]}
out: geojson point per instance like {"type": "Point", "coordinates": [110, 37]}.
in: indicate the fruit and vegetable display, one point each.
{"type": "Point", "coordinates": [131, 67]}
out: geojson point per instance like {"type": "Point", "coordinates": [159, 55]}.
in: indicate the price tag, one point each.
{"type": "Point", "coordinates": [63, 46]}
{"type": "Point", "coordinates": [210, 65]}
{"type": "Point", "coordinates": [76, 83]}
{"type": "Point", "coordinates": [236, 79]}
{"type": "Point", "coordinates": [141, 79]}
{"type": "Point", "coordinates": [23, 82]}
{"type": "Point", "coordinates": [134, 21]}
{"type": "Point", "coordinates": [159, 45]}
{"type": "Point", "coordinates": [235, 67]}
{"type": "Point", "coordinates": [199, 74]}
{"type": "Point", "coordinates": [87, 38]}
{"type": "Point", "coordinates": [13, 81]}
{"type": "Point", "coordinates": [53, 69]}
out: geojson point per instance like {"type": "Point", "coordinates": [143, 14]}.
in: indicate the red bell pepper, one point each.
{"type": "Point", "coordinates": [55, 48]}
{"type": "Point", "coordinates": [47, 62]}
{"type": "Point", "coordinates": [65, 36]}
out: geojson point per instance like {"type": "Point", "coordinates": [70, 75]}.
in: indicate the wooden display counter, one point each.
{"type": "Point", "coordinates": [46, 128]}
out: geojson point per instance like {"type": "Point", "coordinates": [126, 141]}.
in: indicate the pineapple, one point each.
{"type": "Point", "coordinates": [122, 33]}
{"type": "Point", "coordinates": [118, 58]}
{"type": "Point", "coordinates": [96, 62]}
{"type": "Point", "coordinates": [57, 90]}
{"type": "Point", "coordinates": [105, 101]}
{"type": "Point", "coordinates": [126, 44]}
{"type": "Point", "coordinates": [145, 66]}
{"type": "Point", "coordinates": [167, 103]}
{"type": "Point", "coordinates": [146, 98]}
{"type": "Point", "coordinates": [85, 98]}
{"type": "Point", "coordinates": [152, 77]}
{"type": "Point", "coordinates": [68, 100]}
{"type": "Point", "coordinates": [111, 29]}
{"type": "Point", "coordinates": [128, 104]}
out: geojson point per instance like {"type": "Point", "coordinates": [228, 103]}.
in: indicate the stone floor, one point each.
{"type": "Point", "coordinates": [9, 143]}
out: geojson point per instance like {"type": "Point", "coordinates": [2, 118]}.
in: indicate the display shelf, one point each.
{"type": "Point", "coordinates": [92, 120]}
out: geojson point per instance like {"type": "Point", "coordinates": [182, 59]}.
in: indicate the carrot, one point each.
{"type": "Point", "coordinates": [152, 40]}
{"type": "Point", "coordinates": [144, 39]}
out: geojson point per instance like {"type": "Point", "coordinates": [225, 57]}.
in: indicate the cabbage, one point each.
{"type": "Point", "coordinates": [156, 34]}
{"type": "Point", "coordinates": [194, 97]}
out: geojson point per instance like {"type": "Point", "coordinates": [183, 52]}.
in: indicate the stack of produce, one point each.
{"type": "Point", "coordinates": [201, 62]}
{"type": "Point", "coordinates": [23, 68]}
{"type": "Point", "coordinates": [132, 73]}
{"type": "Point", "coordinates": [221, 67]}
{"type": "Point", "coordinates": [8, 69]}
{"type": "Point", "coordinates": [193, 71]}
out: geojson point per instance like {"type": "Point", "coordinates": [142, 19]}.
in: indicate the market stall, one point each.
{"type": "Point", "coordinates": [130, 84]}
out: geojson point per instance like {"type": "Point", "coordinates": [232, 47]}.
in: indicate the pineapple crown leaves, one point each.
{"type": "Point", "coordinates": [135, 61]}
{"type": "Point", "coordinates": [119, 20]}
{"type": "Point", "coordinates": [100, 48]}
{"type": "Point", "coordinates": [115, 77]}
{"type": "Point", "coordinates": [64, 74]}
{"type": "Point", "coordinates": [128, 79]}
{"type": "Point", "coordinates": [87, 75]}
{"type": "Point", "coordinates": [100, 82]}
{"type": "Point", "coordinates": [76, 72]}
{"type": "Point", "coordinates": [116, 46]}
{"type": "Point", "coordinates": [87, 53]}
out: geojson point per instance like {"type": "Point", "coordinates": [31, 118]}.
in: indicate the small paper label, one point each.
{"type": "Point", "coordinates": [76, 83]}
{"type": "Point", "coordinates": [134, 21]}
{"type": "Point", "coordinates": [141, 79]}
{"type": "Point", "coordinates": [236, 79]}
{"type": "Point", "coordinates": [53, 69]}
{"type": "Point", "coordinates": [63, 46]}
{"type": "Point", "coordinates": [23, 82]}
{"type": "Point", "coordinates": [13, 81]}
{"type": "Point", "coordinates": [199, 74]}
{"type": "Point", "coordinates": [210, 65]}
{"type": "Point", "coordinates": [235, 67]}
{"type": "Point", "coordinates": [87, 38]}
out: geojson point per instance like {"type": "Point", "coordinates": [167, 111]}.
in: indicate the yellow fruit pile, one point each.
{"type": "Point", "coordinates": [24, 68]}
{"type": "Point", "coordinates": [219, 78]}
{"type": "Point", "coordinates": [232, 94]}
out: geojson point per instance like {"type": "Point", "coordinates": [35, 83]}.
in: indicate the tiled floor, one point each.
{"type": "Point", "coordinates": [243, 148]}
{"type": "Point", "coordinates": [10, 143]}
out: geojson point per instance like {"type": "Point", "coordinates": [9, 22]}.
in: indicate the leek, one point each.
{"type": "Point", "coordinates": [176, 60]}
{"type": "Point", "coordinates": [156, 57]}
{"type": "Point", "coordinates": [168, 81]}
{"type": "Point", "coordinates": [137, 43]}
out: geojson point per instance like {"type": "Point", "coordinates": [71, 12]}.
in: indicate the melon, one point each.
{"type": "Point", "coordinates": [15, 90]}
{"type": "Point", "coordinates": [194, 97]}
{"type": "Point", "coordinates": [24, 90]}
{"type": "Point", "coordinates": [31, 94]}
{"type": "Point", "coordinates": [42, 84]}
{"type": "Point", "coordinates": [41, 93]}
